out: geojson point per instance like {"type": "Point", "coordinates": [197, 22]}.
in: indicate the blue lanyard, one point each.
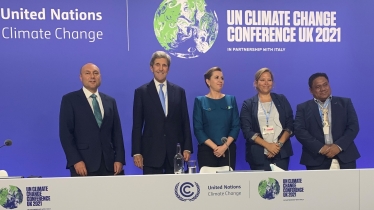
{"type": "Point", "coordinates": [267, 115]}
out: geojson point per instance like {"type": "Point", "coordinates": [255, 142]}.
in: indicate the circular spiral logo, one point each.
{"type": "Point", "coordinates": [187, 191]}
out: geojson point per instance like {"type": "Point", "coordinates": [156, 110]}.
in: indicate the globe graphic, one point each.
{"type": "Point", "coordinates": [185, 28]}
{"type": "Point", "coordinates": [268, 189]}
{"type": "Point", "coordinates": [10, 198]}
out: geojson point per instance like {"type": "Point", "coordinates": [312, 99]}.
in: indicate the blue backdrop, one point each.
{"type": "Point", "coordinates": [40, 62]}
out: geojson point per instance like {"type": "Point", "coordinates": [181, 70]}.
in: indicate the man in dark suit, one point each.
{"type": "Point", "coordinates": [90, 129]}
{"type": "Point", "coordinates": [326, 126]}
{"type": "Point", "coordinates": [160, 121]}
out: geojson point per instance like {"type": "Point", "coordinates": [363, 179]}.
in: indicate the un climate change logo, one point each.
{"type": "Point", "coordinates": [187, 191]}
{"type": "Point", "coordinates": [268, 189]}
{"type": "Point", "coordinates": [10, 198]}
{"type": "Point", "coordinates": [185, 28]}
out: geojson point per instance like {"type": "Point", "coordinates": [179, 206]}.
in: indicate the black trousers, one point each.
{"type": "Point", "coordinates": [103, 171]}
{"type": "Point", "coordinates": [282, 163]}
{"type": "Point", "coordinates": [166, 168]}
{"type": "Point", "coordinates": [205, 157]}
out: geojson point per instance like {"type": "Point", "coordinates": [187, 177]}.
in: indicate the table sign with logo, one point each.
{"type": "Point", "coordinates": [336, 189]}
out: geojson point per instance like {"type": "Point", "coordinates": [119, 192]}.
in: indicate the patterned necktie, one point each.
{"type": "Point", "coordinates": [96, 108]}
{"type": "Point", "coordinates": [325, 117]}
{"type": "Point", "coordinates": [162, 98]}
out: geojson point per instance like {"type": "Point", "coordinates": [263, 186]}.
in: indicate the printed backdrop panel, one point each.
{"type": "Point", "coordinates": [45, 43]}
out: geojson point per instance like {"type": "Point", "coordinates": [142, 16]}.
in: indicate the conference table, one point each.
{"type": "Point", "coordinates": [332, 189]}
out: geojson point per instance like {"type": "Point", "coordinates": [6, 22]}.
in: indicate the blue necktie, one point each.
{"type": "Point", "coordinates": [162, 98]}
{"type": "Point", "coordinates": [97, 111]}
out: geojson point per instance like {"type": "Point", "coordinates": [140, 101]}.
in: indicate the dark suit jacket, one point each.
{"type": "Point", "coordinates": [81, 137]}
{"type": "Point", "coordinates": [154, 135]}
{"type": "Point", "coordinates": [309, 132]}
{"type": "Point", "coordinates": [250, 126]}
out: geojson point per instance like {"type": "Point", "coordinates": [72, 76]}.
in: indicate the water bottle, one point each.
{"type": "Point", "coordinates": [178, 161]}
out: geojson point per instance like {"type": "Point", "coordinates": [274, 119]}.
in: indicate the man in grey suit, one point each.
{"type": "Point", "coordinates": [160, 121]}
{"type": "Point", "coordinates": [90, 129]}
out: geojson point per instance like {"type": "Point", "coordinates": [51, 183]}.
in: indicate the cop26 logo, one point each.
{"type": "Point", "coordinates": [187, 191]}
{"type": "Point", "coordinates": [268, 189]}
{"type": "Point", "coordinates": [185, 28]}
{"type": "Point", "coordinates": [11, 198]}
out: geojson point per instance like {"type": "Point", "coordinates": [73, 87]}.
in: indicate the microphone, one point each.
{"type": "Point", "coordinates": [224, 140]}
{"type": "Point", "coordinates": [7, 142]}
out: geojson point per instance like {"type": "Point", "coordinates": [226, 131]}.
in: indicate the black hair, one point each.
{"type": "Point", "coordinates": [314, 76]}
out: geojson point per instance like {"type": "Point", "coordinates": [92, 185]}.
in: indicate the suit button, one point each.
{"type": "Point", "coordinates": [164, 134]}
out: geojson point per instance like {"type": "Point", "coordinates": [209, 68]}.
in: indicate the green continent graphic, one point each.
{"type": "Point", "coordinates": [262, 188]}
{"type": "Point", "coordinates": [3, 196]}
{"type": "Point", "coordinates": [268, 189]}
{"type": "Point", "coordinates": [10, 198]}
{"type": "Point", "coordinates": [185, 28]}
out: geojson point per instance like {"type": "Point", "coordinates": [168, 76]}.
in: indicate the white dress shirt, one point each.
{"type": "Point", "coordinates": [88, 94]}
{"type": "Point", "coordinates": [273, 121]}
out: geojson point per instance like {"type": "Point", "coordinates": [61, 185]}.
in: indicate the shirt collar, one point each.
{"type": "Point", "coordinates": [320, 102]}
{"type": "Point", "coordinates": [158, 83]}
{"type": "Point", "coordinates": [88, 93]}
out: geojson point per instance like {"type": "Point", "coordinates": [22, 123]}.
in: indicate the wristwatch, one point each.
{"type": "Point", "coordinates": [280, 144]}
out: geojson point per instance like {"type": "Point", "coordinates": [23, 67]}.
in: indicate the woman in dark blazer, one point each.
{"type": "Point", "coordinates": [267, 124]}
{"type": "Point", "coordinates": [216, 123]}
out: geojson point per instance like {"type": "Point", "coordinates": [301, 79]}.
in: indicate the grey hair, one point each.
{"type": "Point", "coordinates": [160, 54]}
